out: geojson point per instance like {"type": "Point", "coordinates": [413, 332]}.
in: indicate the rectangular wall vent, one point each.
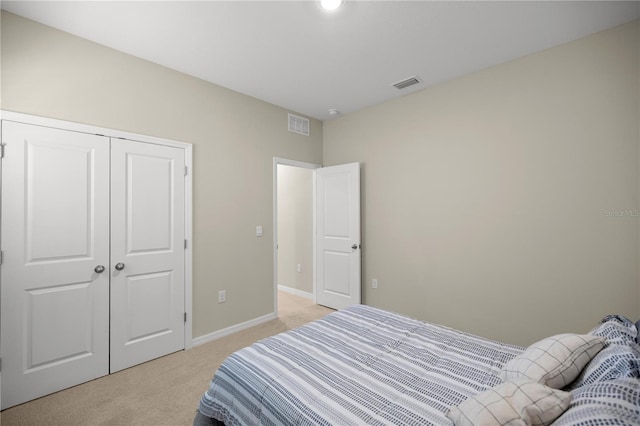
{"type": "Point", "coordinates": [407, 82]}
{"type": "Point", "coordinates": [298, 125]}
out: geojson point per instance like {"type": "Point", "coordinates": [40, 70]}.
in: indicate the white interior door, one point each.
{"type": "Point", "coordinates": [147, 252]}
{"type": "Point", "coordinates": [338, 235]}
{"type": "Point", "coordinates": [55, 235]}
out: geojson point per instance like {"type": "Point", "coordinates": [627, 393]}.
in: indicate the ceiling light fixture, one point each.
{"type": "Point", "coordinates": [334, 112]}
{"type": "Point", "coordinates": [330, 4]}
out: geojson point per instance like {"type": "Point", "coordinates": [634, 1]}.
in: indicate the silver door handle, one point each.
{"type": "Point", "coordinates": [99, 269]}
{"type": "Point", "coordinates": [355, 246]}
{"type": "Point", "coordinates": [119, 266]}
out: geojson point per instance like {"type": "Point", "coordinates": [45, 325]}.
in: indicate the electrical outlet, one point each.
{"type": "Point", "coordinates": [374, 283]}
{"type": "Point", "coordinates": [222, 296]}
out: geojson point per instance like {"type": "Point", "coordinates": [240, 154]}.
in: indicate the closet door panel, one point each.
{"type": "Point", "coordinates": [147, 252]}
{"type": "Point", "coordinates": [55, 232]}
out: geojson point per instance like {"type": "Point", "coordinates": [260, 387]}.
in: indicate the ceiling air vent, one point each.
{"type": "Point", "coordinates": [407, 82]}
{"type": "Point", "coordinates": [298, 125]}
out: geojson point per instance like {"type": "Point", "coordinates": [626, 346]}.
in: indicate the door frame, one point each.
{"type": "Point", "coordinates": [313, 167]}
{"type": "Point", "coordinates": [188, 182]}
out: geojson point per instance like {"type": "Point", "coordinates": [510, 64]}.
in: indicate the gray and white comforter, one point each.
{"type": "Point", "coordinates": [360, 365]}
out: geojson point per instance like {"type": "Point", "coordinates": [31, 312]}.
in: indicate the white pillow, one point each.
{"type": "Point", "coordinates": [554, 361]}
{"type": "Point", "coordinates": [519, 402]}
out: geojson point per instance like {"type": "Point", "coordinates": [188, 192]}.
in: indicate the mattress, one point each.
{"type": "Point", "coordinates": [360, 365]}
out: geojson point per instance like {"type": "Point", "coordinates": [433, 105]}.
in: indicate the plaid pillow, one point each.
{"type": "Point", "coordinates": [613, 362]}
{"type": "Point", "coordinates": [555, 361]}
{"type": "Point", "coordinates": [512, 403]}
{"type": "Point", "coordinates": [614, 402]}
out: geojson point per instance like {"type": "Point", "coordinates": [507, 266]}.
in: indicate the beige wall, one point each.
{"type": "Point", "coordinates": [295, 227]}
{"type": "Point", "coordinates": [505, 202]}
{"type": "Point", "coordinates": [54, 74]}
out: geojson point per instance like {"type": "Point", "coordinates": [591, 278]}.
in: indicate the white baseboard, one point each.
{"type": "Point", "coordinates": [295, 291]}
{"type": "Point", "coordinates": [201, 340]}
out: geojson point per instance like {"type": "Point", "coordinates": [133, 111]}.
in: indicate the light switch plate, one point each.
{"type": "Point", "coordinates": [258, 231]}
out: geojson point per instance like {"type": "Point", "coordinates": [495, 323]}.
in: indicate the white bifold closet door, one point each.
{"type": "Point", "coordinates": [55, 235]}
{"type": "Point", "coordinates": [147, 252]}
{"type": "Point", "coordinates": [74, 206]}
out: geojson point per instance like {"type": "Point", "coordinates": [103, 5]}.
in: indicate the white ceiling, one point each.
{"type": "Point", "coordinates": [300, 57]}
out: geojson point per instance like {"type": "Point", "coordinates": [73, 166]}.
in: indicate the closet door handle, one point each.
{"type": "Point", "coordinates": [99, 269]}
{"type": "Point", "coordinates": [119, 266]}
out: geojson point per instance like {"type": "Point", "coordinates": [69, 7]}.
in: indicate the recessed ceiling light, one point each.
{"type": "Point", "coordinates": [330, 4]}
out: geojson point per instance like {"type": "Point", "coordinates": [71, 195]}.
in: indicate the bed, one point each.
{"type": "Point", "coordinates": [363, 365]}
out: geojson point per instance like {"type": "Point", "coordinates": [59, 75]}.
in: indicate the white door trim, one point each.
{"type": "Point", "coordinates": [188, 148]}
{"type": "Point", "coordinates": [301, 164]}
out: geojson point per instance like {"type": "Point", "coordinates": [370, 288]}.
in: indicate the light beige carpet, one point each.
{"type": "Point", "coordinates": [165, 391]}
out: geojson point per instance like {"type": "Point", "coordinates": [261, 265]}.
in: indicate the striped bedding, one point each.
{"type": "Point", "coordinates": [360, 365]}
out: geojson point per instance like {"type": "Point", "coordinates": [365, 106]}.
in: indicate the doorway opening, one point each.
{"type": "Point", "coordinates": [294, 239]}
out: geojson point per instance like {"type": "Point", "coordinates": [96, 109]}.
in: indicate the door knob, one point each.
{"type": "Point", "coordinates": [355, 246]}
{"type": "Point", "coordinates": [119, 266]}
{"type": "Point", "coordinates": [99, 269]}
